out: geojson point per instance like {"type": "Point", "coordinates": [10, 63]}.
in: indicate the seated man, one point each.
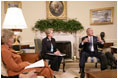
{"type": "Point", "coordinates": [89, 44]}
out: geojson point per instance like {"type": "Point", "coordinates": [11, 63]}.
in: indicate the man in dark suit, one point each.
{"type": "Point", "coordinates": [89, 45]}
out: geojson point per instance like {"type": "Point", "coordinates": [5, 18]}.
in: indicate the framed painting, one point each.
{"type": "Point", "coordinates": [9, 4]}
{"type": "Point", "coordinates": [101, 16]}
{"type": "Point", "coordinates": [56, 9]}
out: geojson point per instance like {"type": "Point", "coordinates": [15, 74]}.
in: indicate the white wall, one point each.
{"type": "Point", "coordinates": [34, 10]}
{"type": "Point", "coordinates": [81, 11]}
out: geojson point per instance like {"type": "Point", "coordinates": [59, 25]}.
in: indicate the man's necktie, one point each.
{"type": "Point", "coordinates": [91, 44]}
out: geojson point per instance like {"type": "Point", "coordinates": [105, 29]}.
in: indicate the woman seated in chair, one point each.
{"type": "Point", "coordinates": [13, 61]}
{"type": "Point", "coordinates": [49, 46]}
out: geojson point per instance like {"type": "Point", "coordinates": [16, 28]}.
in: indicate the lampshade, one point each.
{"type": "Point", "coordinates": [14, 19]}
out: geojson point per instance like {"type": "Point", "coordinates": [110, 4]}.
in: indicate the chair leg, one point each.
{"type": "Point", "coordinates": [63, 64]}
{"type": "Point", "coordinates": [96, 65]}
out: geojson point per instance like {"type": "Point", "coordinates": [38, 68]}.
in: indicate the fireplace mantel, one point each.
{"type": "Point", "coordinates": [60, 36]}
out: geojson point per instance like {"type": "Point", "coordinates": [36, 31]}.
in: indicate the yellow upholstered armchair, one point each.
{"type": "Point", "coordinates": [3, 69]}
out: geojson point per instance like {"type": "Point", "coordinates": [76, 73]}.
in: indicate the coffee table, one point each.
{"type": "Point", "coordinates": [102, 74]}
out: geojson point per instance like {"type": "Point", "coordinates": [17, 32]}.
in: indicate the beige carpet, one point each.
{"type": "Point", "coordinates": [72, 70]}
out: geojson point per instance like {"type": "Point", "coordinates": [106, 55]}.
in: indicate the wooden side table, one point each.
{"type": "Point", "coordinates": [114, 49]}
{"type": "Point", "coordinates": [107, 45]}
{"type": "Point", "coordinates": [25, 46]}
{"type": "Point", "coordinates": [30, 57]}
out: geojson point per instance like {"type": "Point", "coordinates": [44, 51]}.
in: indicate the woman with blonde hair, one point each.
{"type": "Point", "coordinates": [13, 61]}
{"type": "Point", "coordinates": [49, 46]}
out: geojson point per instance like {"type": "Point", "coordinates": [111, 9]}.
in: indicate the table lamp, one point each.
{"type": "Point", "coordinates": [15, 21]}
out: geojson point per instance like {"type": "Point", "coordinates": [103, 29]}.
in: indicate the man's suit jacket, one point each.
{"type": "Point", "coordinates": [96, 44]}
{"type": "Point", "coordinates": [46, 46]}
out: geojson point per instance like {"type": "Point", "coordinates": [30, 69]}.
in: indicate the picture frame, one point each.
{"type": "Point", "coordinates": [12, 4]}
{"type": "Point", "coordinates": [56, 9]}
{"type": "Point", "coordinates": [102, 16]}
